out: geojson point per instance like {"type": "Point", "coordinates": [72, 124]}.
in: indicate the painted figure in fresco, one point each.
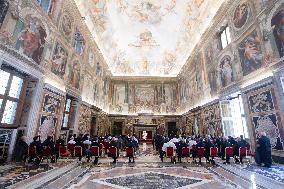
{"type": "Point", "coordinates": [91, 59]}
{"type": "Point", "coordinates": [241, 15]}
{"type": "Point", "coordinates": [51, 104]}
{"type": "Point", "coordinates": [66, 24]}
{"type": "Point", "coordinates": [59, 60]}
{"type": "Point", "coordinates": [250, 53]}
{"type": "Point", "coordinates": [33, 40]}
{"type": "Point", "coordinates": [4, 5]}
{"type": "Point", "coordinates": [75, 75]}
{"type": "Point", "coordinates": [213, 81]}
{"type": "Point", "coordinates": [226, 71]}
{"type": "Point", "coordinates": [79, 42]}
{"type": "Point", "coordinates": [277, 24]}
{"type": "Point", "coordinates": [98, 70]}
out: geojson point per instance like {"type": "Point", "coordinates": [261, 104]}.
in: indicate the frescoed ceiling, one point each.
{"type": "Point", "coordinates": [147, 37]}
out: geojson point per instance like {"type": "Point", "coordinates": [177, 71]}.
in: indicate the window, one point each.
{"type": "Point", "coordinates": [225, 37]}
{"type": "Point", "coordinates": [66, 115]}
{"type": "Point", "coordinates": [10, 91]}
{"type": "Point", "coordinates": [46, 5]}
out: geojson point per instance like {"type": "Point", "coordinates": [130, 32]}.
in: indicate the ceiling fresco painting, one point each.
{"type": "Point", "coordinates": [147, 37]}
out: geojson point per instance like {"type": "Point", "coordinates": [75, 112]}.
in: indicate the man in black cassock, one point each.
{"type": "Point", "coordinates": [264, 150]}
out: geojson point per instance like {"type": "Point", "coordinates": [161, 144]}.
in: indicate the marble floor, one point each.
{"type": "Point", "coordinates": [147, 172]}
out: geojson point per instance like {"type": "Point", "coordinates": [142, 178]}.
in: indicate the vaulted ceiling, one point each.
{"type": "Point", "coordinates": [147, 37]}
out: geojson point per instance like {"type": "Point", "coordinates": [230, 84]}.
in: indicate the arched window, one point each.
{"type": "Point", "coordinates": [4, 5]}
{"type": "Point", "coordinates": [46, 5]}
{"type": "Point", "coordinates": [79, 42]}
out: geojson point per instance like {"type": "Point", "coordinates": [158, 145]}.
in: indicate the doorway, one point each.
{"type": "Point", "coordinates": [117, 128]}
{"type": "Point", "coordinates": [172, 129]}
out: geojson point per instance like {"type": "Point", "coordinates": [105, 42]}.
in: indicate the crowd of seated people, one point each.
{"type": "Point", "coordinates": [198, 147]}
{"type": "Point", "coordinates": [81, 146]}
{"type": "Point", "coordinates": [207, 147]}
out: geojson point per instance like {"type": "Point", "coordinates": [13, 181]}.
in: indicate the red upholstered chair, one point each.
{"type": "Point", "coordinates": [170, 152]}
{"type": "Point", "coordinates": [229, 151]}
{"type": "Point", "coordinates": [106, 146]}
{"type": "Point", "coordinates": [70, 148]}
{"type": "Point", "coordinates": [46, 153]}
{"type": "Point", "coordinates": [63, 152]}
{"type": "Point", "coordinates": [112, 152]}
{"type": "Point", "coordinates": [200, 152]}
{"type": "Point", "coordinates": [129, 152]}
{"type": "Point", "coordinates": [213, 152]}
{"type": "Point", "coordinates": [95, 151]}
{"type": "Point", "coordinates": [185, 152]}
{"type": "Point", "coordinates": [32, 151]}
{"type": "Point", "coordinates": [78, 152]}
{"type": "Point", "coordinates": [242, 152]}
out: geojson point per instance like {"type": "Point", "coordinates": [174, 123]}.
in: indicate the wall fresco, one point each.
{"type": "Point", "coordinates": [59, 60]}
{"type": "Point", "coordinates": [250, 53]}
{"type": "Point", "coordinates": [277, 23]}
{"type": "Point", "coordinates": [32, 39]}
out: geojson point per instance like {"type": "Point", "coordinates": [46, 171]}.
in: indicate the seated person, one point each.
{"type": "Point", "coordinates": [96, 143]}
{"type": "Point", "coordinates": [87, 143]}
{"type": "Point", "coordinates": [113, 143]}
{"type": "Point", "coordinates": [169, 144]}
{"type": "Point", "coordinates": [37, 143]}
{"type": "Point", "coordinates": [49, 143]}
{"type": "Point", "coordinates": [180, 145]}
{"type": "Point", "coordinates": [132, 144]}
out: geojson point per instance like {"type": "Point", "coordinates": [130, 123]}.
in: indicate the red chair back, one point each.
{"type": "Point", "coordinates": [63, 152]}
{"type": "Point", "coordinates": [213, 152]}
{"type": "Point", "coordinates": [193, 147]}
{"type": "Point", "coordinates": [95, 151]}
{"type": "Point", "coordinates": [32, 151]}
{"type": "Point", "coordinates": [46, 151]}
{"type": "Point", "coordinates": [242, 152]}
{"type": "Point", "coordinates": [78, 151]}
{"type": "Point", "coordinates": [70, 147]}
{"type": "Point", "coordinates": [200, 152]}
{"type": "Point", "coordinates": [106, 145]}
{"type": "Point", "coordinates": [112, 152]}
{"type": "Point", "coordinates": [229, 151]}
{"type": "Point", "coordinates": [185, 152]}
{"type": "Point", "coordinates": [129, 152]}
{"type": "Point", "coordinates": [169, 152]}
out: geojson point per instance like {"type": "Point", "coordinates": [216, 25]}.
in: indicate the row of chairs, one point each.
{"type": "Point", "coordinates": [200, 152]}
{"type": "Point", "coordinates": [77, 151]}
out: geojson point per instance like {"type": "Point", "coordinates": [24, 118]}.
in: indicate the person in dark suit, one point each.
{"type": "Point", "coordinates": [200, 144]}
{"type": "Point", "coordinates": [207, 145]}
{"type": "Point", "coordinates": [21, 150]}
{"type": "Point", "coordinates": [132, 144]}
{"type": "Point", "coordinates": [264, 150]}
{"type": "Point", "coordinates": [240, 143]}
{"type": "Point", "coordinates": [60, 141]}
{"type": "Point", "coordinates": [114, 143]}
{"type": "Point", "coordinates": [96, 143]}
{"type": "Point", "coordinates": [225, 144]}
{"type": "Point", "coordinates": [37, 143]}
{"type": "Point", "coordinates": [180, 145]}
